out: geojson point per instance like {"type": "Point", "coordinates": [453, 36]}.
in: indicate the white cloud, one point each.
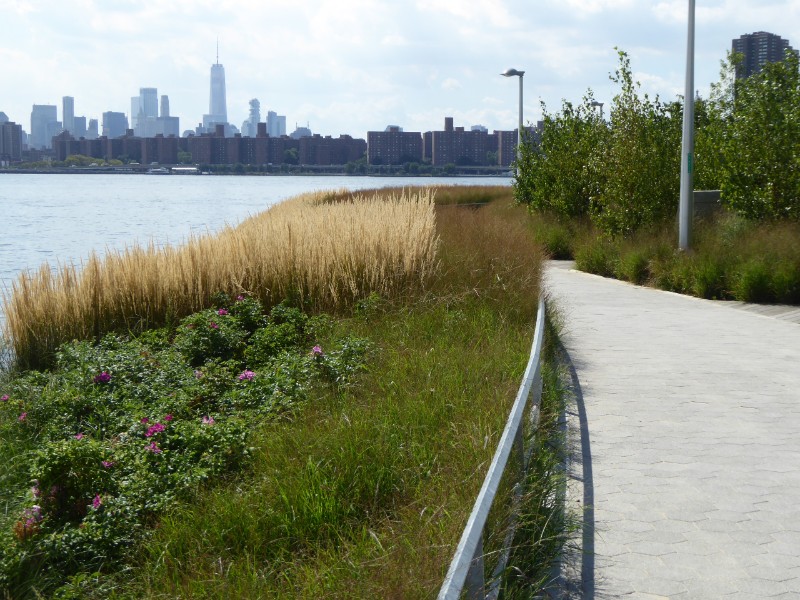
{"type": "Point", "coordinates": [451, 84]}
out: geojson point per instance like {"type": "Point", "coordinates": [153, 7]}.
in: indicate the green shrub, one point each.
{"type": "Point", "coordinates": [752, 282]}
{"type": "Point", "coordinates": [598, 255]}
{"type": "Point", "coordinates": [209, 334]}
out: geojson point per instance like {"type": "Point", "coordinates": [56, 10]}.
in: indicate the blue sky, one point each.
{"type": "Point", "coordinates": [351, 66]}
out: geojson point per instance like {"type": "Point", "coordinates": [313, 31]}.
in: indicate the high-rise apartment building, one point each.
{"type": "Point", "coordinates": [10, 142]}
{"type": "Point", "coordinates": [758, 49]}
{"type": "Point", "coordinates": [68, 113]}
{"type": "Point", "coordinates": [44, 125]}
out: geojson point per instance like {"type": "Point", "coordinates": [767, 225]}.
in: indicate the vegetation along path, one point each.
{"type": "Point", "coordinates": [689, 445]}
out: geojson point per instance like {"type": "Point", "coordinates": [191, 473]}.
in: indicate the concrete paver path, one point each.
{"type": "Point", "coordinates": [691, 443]}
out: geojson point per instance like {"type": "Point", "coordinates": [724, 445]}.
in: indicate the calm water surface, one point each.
{"type": "Point", "coordinates": [63, 218]}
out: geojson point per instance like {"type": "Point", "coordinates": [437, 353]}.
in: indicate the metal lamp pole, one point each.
{"type": "Point", "coordinates": [686, 210]}
{"type": "Point", "coordinates": [513, 73]}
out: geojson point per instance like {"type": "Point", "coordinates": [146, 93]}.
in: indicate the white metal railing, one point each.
{"type": "Point", "coordinates": [466, 573]}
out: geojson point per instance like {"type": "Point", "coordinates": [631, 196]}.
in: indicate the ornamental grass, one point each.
{"type": "Point", "coordinates": [324, 251]}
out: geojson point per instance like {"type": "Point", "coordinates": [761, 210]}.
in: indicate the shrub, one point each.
{"type": "Point", "coordinates": [209, 334]}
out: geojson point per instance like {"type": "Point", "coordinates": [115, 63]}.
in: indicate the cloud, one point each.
{"type": "Point", "coordinates": [451, 84]}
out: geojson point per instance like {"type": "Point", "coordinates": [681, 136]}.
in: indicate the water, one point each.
{"type": "Point", "coordinates": [63, 218]}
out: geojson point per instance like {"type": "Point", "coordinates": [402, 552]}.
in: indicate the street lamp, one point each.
{"type": "Point", "coordinates": [513, 73]}
{"type": "Point", "coordinates": [595, 104]}
{"type": "Point", "coordinates": [686, 208]}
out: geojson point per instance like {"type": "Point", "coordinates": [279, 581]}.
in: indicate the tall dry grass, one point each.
{"type": "Point", "coordinates": [323, 254]}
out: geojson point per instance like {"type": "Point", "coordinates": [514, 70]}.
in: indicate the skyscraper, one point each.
{"type": "Point", "coordinates": [68, 113]}
{"type": "Point", "coordinates": [44, 125]}
{"type": "Point", "coordinates": [114, 124]}
{"type": "Point", "coordinates": [758, 49]}
{"type": "Point", "coordinates": [250, 127]}
{"type": "Point", "coordinates": [164, 105]}
{"type": "Point", "coordinates": [148, 102]}
{"type": "Point", "coordinates": [217, 105]}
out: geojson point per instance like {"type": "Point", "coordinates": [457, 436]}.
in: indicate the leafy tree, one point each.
{"type": "Point", "coordinates": [559, 174]}
{"type": "Point", "coordinates": [761, 151]}
{"type": "Point", "coordinates": [641, 159]}
{"type": "Point", "coordinates": [184, 158]}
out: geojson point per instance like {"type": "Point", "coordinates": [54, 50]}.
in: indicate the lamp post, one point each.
{"type": "Point", "coordinates": [595, 104]}
{"type": "Point", "coordinates": [513, 73]}
{"type": "Point", "coordinates": [686, 208]}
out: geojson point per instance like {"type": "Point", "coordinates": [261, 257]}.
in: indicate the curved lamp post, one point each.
{"type": "Point", "coordinates": [516, 73]}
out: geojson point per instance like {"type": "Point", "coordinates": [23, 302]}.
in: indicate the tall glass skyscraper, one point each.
{"type": "Point", "coordinates": [217, 105]}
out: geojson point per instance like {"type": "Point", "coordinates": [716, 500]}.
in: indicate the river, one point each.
{"type": "Point", "coordinates": [63, 218]}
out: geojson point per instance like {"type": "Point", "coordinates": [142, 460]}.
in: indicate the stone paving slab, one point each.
{"type": "Point", "coordinates": [690, 447]}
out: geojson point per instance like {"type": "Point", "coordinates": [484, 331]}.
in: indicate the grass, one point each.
{"type": "Point", "coordinates": [322, 254]}
{"type": "Point", "coordinates": [364, 492]}
{"type": "Point", "coordinates": [731, 258]}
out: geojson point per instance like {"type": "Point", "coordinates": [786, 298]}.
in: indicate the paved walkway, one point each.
{"type": "Point", "coordinates": [690, 453]}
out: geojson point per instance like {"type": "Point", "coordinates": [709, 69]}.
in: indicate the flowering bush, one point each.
{"type": "Point", "coordinates": [119, 431]}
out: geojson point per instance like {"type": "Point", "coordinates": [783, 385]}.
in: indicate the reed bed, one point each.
{"type": "Point", "coordinates": [323, 254]}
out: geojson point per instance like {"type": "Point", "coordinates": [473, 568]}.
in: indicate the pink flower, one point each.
{"type": "Point", "coordinates": [153, 447]}
{"type": "Point", "coordinates": [214, 325]}
{"type": "Point", "coordinates": [208, 420]}
{"type": "Point", "coordinates": [316, 351]}
{"type": "Point", "coordinates": [35, 490]}
{"type": "Point", "coordinates": [22, 417]}
{"type": "Point", "coordinates": [154, 429]}
{"type": "Point", "coordinates": [97, 502]}
{"type": "Point", "coordinates": [222, 312]}
{"type": "Point", "coordinates": [246, 375]}
{"type": "Point", "coordinates": [198, 374]}
{"type": "Point", "coordinates": [168, 418]}
{"type": "Point", "coordinates": [239, 298]}
{"type": "Point", "coordinates": [144, 420]}
{"type": "Point", "coordinates": [79, 436]}
{"type": "Point", "coordinates": [107, 464]}
{"type": "Point", "coordinates": [4, 398]}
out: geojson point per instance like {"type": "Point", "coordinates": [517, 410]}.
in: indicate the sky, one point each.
{"type": "Point", "coordinates": [352, 66]}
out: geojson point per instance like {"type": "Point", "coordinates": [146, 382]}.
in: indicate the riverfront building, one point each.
{"type": "Point", "coordinates": [10, 142]}
{"type": "Point", "coordinates": [759, 48]}
{"type": "Point", "coordinates": [44, 126]}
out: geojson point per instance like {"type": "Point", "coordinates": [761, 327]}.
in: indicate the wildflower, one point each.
{"type": "Point", "coordinates": [168, 418]}
{"type": "Point", "coordinates": [198, 374]}
{"type": "Point", "coordinates": [103, 377]}
{"type": "Point", "coordinates": [246, 375]}
{"type": "Point", "coordinates": [97, 502]}
{"type": "Point", "coordinates": [213, 325]}
{"type": "Point", "coordinates": [154, 429]}
{"type": "Point", "coordinates": [239, 298]}
{"type": "Point", "coordinates": [222, 312]}
{"type": "Point", "coordinates": [153, 447]}
{"type": "Point", "coordinates": [107, 464]}
{"type": "Point", "coordinates": [22, 417]}
{"type": "Point", "coordinates": [208, 420]}
{"type": "Point", "coordinates": [35, 490]}
{"type": "Point", "coordinates": [145, 420]}
{"type": "Point", "coordinates": [4, 398]}
{"type": "Point", "coordinates": [78, 436]}
{"type": "Point", "coordinates": [316, 351]}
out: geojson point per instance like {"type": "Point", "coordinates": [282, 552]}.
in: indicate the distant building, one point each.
{"type": "Point", "coordinates": [276, 124]}
{"type": "Point", "coordinates": [79, 127]}
{"type": "Point", "coordinates": [92, 132]}
{"type": "Point", "coordinates": [68, 113]}
{"type": "Point", "coordinates": [115, 124]}
{"type": "Point", "coordinates": [250, 126]}
{"type": "Point", "coordinates": [10, 141]}
{"type": "Point", "coordinates": [3, 118]}
{"type": "Point", "coordinates": [44, 126]}
{"type": "Point", "coordinates": [300, 132]}
{"type": "Point", "coordinates": [393, 146]}
{"type": "Point", "coordinates": [759, 48]}
{"type": "Point", "coordinates": [217, 102]}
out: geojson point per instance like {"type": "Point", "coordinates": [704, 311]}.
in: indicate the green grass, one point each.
{"type": "Point", "coordinates": [730, 259]}
{"type": "Point", "coordinates": [363, 491]}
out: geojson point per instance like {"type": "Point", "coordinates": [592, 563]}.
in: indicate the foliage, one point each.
{"type": "Point", "coordinates": [571, 142]}
{"type": "Point", "coordinates": [761, 148]}
{"type": "Point", "coordinates": [120, 431]}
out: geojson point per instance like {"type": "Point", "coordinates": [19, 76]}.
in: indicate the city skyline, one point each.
{"type": "Point", "coordinates": [352, 66]}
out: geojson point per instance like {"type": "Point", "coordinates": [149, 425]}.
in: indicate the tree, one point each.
{"type": "Point", "coordinates": [640, 160]}
{"type": "Point", "coordinates": [761, 148]}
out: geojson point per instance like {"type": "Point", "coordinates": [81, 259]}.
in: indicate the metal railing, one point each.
{"type": "Point", "coordinates": [466, 573]}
